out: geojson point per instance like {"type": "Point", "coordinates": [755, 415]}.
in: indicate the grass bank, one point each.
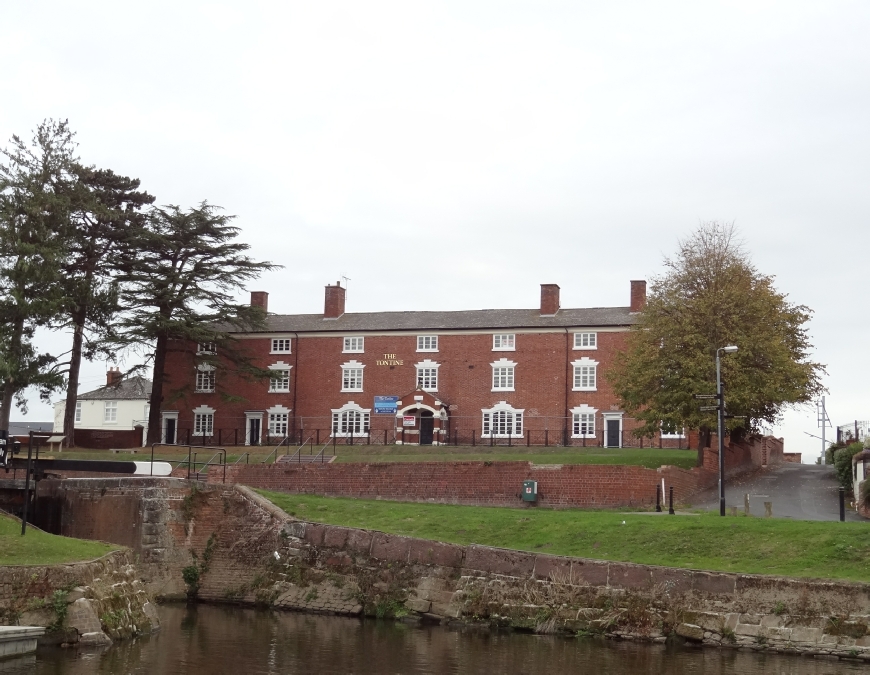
{"type": "Point", "coordinates": [651, 458]}
{"type": "Point", "coordinates": [748, 545]}
{"type": "Point", "coordinates": [40, 548]}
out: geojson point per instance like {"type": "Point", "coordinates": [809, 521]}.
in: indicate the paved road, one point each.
{"type": "Point", "coordinates": [799, 491]}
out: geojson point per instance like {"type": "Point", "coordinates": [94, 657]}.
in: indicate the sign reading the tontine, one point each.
{"type": "Point", "coordinates": [390, 360]}
{"type": "Point", "coordinates": [408, 421]}
{"type": "Point", "coordinates": [385, 405]}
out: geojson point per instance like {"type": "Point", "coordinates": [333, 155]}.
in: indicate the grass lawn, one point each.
{"type": "Point", "coordinates": [830, 550]}
{"type": "Point", "coordinates": [40, 548]}
{"type": "Point", "coordinates": [651, 458]}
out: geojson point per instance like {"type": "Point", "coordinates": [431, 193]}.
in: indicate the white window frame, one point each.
{"type": "Point", "coordinates": [351, 417]}
{"type": "Point", "coordinates": [666, 435]}
{"type": "Point", "coordinates": [427, 370]}
{"type": "Point", "coordinates": [203, 421]}
{"type": "Point", "coordinates": [427, 343]}
{"type": "Point", "coordinates": [579, 416]}
{"type": "Point", "coordinates": [585, 368]}
{"type": "Point", "coordinates": [505, 417]}
{"type": "Point", "coordinates": [203, 424]}
{"type": "Point", "coordinates": [206, 348]}
{"type": "Point", "coordinates": [589, 337]}
{"type": "Point", "coordinates": [353, 344]}
{"type": "Point", "coordinates": [280, 346]}
{"type": "Point", "coordinates": [503, 375]}
{"type": "Point", "coordinates": [278, 419]}
{"type": "Point", "coordinates": [504, 342]}
{"type": "Point", "coordinates": [205, 379]}
{"type": "Point", "coordinates": [280, 385]}
{"type": "Point", "coordinates": [78, 415]}
{"type": "Point", "coordinates": [110, 407]}
{"type": "Point", "coordinates": [356, 378]}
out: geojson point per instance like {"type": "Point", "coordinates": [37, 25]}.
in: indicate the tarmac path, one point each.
{"type": "Point", "coordinates": [799, 491]}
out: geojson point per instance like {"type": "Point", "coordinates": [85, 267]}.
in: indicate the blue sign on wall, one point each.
{"type": "Point", "coordinates": [385, 405]}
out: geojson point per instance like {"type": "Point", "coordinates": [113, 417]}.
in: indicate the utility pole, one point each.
{"type": "Point", "coordinates": [823, 421]}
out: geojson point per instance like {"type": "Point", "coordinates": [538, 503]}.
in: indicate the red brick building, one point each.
{"type": "Point", "coordinates": [503, 376]}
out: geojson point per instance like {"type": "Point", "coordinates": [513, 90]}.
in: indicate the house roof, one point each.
{"type": "Point", "coordinates": [455, 320]}
{"type": "Point", "coordinates": [129, 389]}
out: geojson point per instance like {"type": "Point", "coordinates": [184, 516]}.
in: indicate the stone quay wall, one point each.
{"type": "Point", "coordinates": [324, 568]}
{"type": "Point", "coordinates": [84, 603]}
{"type": "Point", "coordinates": [243, 549]}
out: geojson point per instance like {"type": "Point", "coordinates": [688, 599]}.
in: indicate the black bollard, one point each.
{"type": "Point", "coordinates": [671, 500]}
{"type": "Point", "coordinates": [658, 499]}
{"type": "Point", "coordinates": [842, 505]}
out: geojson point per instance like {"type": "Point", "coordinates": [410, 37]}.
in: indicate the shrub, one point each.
{"type": "Point", "coordinates": [843, 463]}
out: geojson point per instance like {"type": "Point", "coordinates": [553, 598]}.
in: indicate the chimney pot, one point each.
{"type": "Point", "coordinates": [549, 299]}
{"type": "Point", "coordinates": [113, 376]}
{"type": "Point", "coordinates": [260, 299]}
{"type": "Point", "coordinates": [334, 301]}
{"type": "Point", "coordinates": [638, 295]}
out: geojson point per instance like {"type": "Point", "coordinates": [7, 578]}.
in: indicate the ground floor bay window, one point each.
{"type": "Point", "coordinates": [351, 419]}
{"type": "Point", "coordinates": [502, 421]}
{"type": "Point", "coordinates": [203, 421]}
{"type": "Point", "coordinates": [583, 422]}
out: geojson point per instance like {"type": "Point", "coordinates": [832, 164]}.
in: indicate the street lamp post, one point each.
{"type": "Point", "coordinates": [730, 349]}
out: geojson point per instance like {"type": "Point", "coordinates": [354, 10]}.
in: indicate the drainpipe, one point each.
{"type": "Point", "coordinates": [295, 378]}
{"type": "Point", "coordinates": [567, 379]}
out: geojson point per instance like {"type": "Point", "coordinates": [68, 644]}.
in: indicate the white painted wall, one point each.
{"type": "Point", "coordinates": [130, 413]}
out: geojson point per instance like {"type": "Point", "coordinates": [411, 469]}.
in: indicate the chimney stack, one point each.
{"type": "Point", "coordinates": [113, 377]}
{"type": "Point", "coordinates": [334, 305]}
{"type": "Point", "coordinates": [260, 299]}
{"type": "Point", "coordinates": [638, 295]}
{"type": "Point", "coordinates": [549, 299]}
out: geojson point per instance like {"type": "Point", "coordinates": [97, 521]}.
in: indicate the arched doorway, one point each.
{"type": "Point", "coordinates": [427, 427]}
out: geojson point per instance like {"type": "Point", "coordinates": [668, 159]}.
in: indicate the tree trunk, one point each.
{"type": "Point", "coordinates": [72, 389]}
{"type": "Point", "coordinates": [6, 404]}
{"type": "Point", "coordinates": [154, 429]}
{"type": "Point", "coordinates": [10, 388]}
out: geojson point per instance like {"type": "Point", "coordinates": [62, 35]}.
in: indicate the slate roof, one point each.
{"type": "Point", "coordinates": [130, 389]}
{"type": "Point", "coordinates": [458, 320]}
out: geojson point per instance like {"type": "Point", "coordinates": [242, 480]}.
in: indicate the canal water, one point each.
{"type": "Point", "coordinates": [213, 640]}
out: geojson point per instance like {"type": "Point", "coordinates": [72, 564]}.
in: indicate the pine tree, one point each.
{"type": "Point", "coordinates": [180, 273]}
{"type": "Point", "coordinates": [106, 213]}
{"type": "Point", "coordinates": [34, 214]}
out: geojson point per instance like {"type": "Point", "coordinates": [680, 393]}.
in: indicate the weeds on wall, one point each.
{"type": "Point", "coordinates": [192, 574]}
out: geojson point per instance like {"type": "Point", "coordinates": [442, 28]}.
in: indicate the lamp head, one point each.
{"type": "Point", "coordinates": [730, 349]}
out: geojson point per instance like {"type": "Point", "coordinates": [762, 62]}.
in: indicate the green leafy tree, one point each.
{"type": "Point", "coordinates": [34, 214]}
{"type": "Point", "coordinates": [106, 214]}
{"type": "Point", "coordinates": [710, 296]}
{"type": "Point", "coordinates": [179, 276]}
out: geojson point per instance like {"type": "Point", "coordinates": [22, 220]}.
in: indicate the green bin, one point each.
{"type": "Point", "coordinates": [530, 490]}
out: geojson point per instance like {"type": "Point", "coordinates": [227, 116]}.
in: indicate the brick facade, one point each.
{"type": "Point", "coordinates": [541, 352]}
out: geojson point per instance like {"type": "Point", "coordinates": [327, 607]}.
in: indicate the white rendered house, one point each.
{"type": "Point", "coordinates": [121, 404]}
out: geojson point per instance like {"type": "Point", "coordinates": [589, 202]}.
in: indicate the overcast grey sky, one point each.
{"type": "Point", "coordinates": [455, 155]}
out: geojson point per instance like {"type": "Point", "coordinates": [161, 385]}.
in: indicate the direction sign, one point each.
{"type": "Point", "coordinates": [709, 407]}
